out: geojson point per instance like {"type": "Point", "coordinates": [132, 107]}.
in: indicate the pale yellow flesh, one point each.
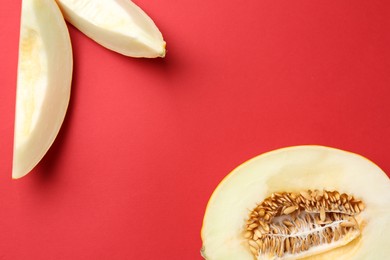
{"type": "Point", "coordinates": [43, 85]}
{"type": "Point", "coordinates": [118, 25]}
{"type": "Point", "coordinates": [294, 169]}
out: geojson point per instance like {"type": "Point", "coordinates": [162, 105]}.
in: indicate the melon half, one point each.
{"type": "Point", "coordinates": [302, 202]}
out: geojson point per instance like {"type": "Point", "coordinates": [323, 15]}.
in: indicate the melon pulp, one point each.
{"type": "Point", "coordinates": [119, 25]}
{"type": "Point", "coordinates": [295, 169]}
{"type": "Point", "coordinates": [43, 85]}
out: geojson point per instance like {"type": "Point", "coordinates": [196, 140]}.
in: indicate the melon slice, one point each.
{"type": "Point", "coordinates": [119, 25]}
{"type": "Point", "coordinates": [43, 84]}
{"type": "Point", "coordinates": [303, 202]}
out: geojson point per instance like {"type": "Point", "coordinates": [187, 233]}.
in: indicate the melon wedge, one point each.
{"type": "Point", "coordinates": [235, 221]}
{"type": "Point", "coordinates": [43, 83]}
{"type": "Point", "coordinates": [119, 25]}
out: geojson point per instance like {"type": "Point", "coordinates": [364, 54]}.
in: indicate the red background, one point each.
{"type": "Point", "coordinates": [145, 142]}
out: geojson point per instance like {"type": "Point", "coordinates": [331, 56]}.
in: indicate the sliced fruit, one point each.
{"type": "Point", "coordinates": [310, 202]}
{"type": "Point", "coordinates": [43, 85]}
{"type": "Point", "coordinates": [119, 25]}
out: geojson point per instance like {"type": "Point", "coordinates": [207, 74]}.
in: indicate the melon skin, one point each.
{"type": "Point", "coordinates": [293, 169]}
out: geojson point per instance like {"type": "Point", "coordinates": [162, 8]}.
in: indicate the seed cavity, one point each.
{"type": "Point", "coordinates": [292, 223]}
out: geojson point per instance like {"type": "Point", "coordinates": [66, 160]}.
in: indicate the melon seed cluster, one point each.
{"type": "Point", "coordinates": [289, 223]}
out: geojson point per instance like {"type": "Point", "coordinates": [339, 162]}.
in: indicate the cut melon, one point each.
{"type": "Point", "coordinates": [43, 84]}
{"type": "Point", "coordinates": [302, 202]}
{"type": "Point", "coordinates": [119, 25]}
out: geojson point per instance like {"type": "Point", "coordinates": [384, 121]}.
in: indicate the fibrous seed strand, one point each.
{"type": "Point", "coordinates": [293, 222]}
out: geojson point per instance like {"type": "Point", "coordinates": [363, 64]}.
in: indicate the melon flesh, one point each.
{"type": "Point", "coordinates": [119, 25]}
{"type": "Point", "coordinates": [43, 84]}
{"type": "Point", "coordinates": [294, 169]}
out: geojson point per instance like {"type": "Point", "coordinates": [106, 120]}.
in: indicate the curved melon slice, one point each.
{"type": "Point", "coordinates": [43, 85]}
{"type": "Point", "coordinates": [323, 202]}
{"type": "Point", "coordinates": [118, 25]}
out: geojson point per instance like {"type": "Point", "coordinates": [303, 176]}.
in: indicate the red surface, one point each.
{"type": "Point", "coordinates": [145, 142]}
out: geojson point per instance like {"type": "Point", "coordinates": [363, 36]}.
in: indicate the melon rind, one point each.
{"type": "Point", "coordinates": [294, 169]}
